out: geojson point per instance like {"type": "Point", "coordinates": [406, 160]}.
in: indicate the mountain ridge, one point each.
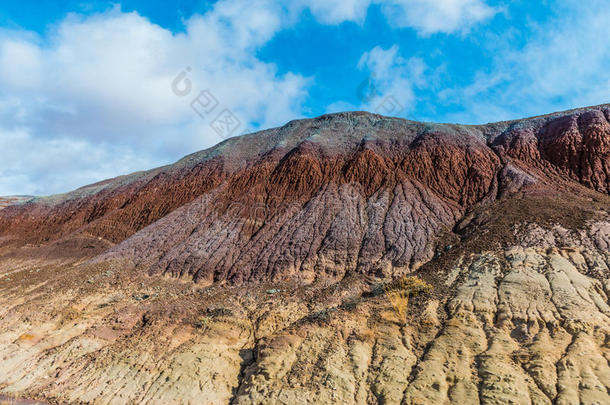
{"type": "Point", "coordinates": [304, 120]}
{"type": "Point", "coordinates": [273, 274]}
{"type": "Point", "coordinates": [350, 161]}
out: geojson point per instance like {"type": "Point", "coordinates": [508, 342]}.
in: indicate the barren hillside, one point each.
{"type": "Point", "coordinates": [266, 270]}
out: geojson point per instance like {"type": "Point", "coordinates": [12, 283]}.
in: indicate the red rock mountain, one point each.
{"type": "Point", "coordinates": [12, 200]}
{"type": "Point", "coordinates": [326, 197]}
{"type": "Point", "coordinates": [503, 229]}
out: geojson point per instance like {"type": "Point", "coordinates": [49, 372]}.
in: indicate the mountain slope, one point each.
{"type": "Point", "coordinates": [12, 200]}
{"type": "Point", "coordinates": [342, 193]}
{"type": "Point", "coordinates": [297, 239]}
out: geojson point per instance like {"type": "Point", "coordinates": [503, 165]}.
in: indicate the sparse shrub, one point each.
{"type": "Point", "coordinates": [202, 323]}
{"type": "Point", "coordinates": [208, 316]}
{"type": "Point", "coordinates": [400, 302]}
{"type": "Point", "coordinates": [218, 312]}
{"type": "Point", "coordinates": [399, 292]}
{"type": "Point", "coordinates": [69, 315]}
{"type": "Point", "coordinates": [350, 304]}
{"type": "Point", "coordinates": [321, 316]}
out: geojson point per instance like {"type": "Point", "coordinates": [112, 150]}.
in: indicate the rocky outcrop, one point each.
{"type": "Point", "coordinates": [576, 146]}
{"type": "Point", "coordinates": [328, 197]}
{"type": "Point", "coordinates": [525, 324]}
{"type": "Point", "coordinates": [13, 200]}
{"type": "Point", "coordinates": [293, 236]}
{"type": "Point", "coordinates": [343, 193]}
{"type": "Point", "coordinates": [375, 206]}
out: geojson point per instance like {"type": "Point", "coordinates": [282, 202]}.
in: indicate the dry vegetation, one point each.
{"type": "Point", "coordinates": [400, 291]}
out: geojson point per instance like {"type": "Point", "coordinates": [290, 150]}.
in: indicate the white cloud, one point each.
{"type": "Point", "coordinates": [425, 16]}
{"type": "Point", "coordinates": [33, 165]}
{"type": "Point", "coordinates": [98, 89]}
{"type": "Point", "coordinates": [563, 65]}
{"type": "Point", "coordinates": [570, 56]}
{"type": "Point", "coordinates": [19, 64]}
{"type": "Point", "coordinates": [93, 99]}
{"type": "Point", "coordinates": [432, 16]}
{"type": "Point", "coordinates": [334, 12]}
{"type": "Point", "coordinates": [391, 88]}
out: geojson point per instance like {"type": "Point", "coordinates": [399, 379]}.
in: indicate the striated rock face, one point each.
{"type": "Point", "coordinates": [575, 145]}
{"type": "Point", "coordinates": [524, 327]}
{"type": "Point", "coordinates": [328, 197]}
{"type": "Point", "coordinates": [13, 200]}
{"type": "Point", "coordinates": [524, 324]}
{"type": "Point", "coordinates": [293, 236]}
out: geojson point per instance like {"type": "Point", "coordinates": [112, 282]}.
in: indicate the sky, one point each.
{"type": "Point", "coordinates": [94, 89]}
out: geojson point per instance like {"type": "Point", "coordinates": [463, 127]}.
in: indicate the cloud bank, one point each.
{"type": "Point", "coordinates": [93, 99]}
{"type": "Point", "coordinates": [97, 96]}
{"type": "Point", "coordinates": [563, 64]}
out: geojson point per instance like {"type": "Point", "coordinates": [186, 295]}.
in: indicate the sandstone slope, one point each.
{"type": "Point", "coordinates": [277, 248]}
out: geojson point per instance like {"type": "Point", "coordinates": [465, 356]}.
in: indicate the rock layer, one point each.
{"type": "Point", "coordinates": [13, 200]}
{"type": "Point", "coordinates": [292, 236]}
{"type": "Point", "coordinates": [343, 193]}
{"type": "Point", "coordinates": [524, 324]}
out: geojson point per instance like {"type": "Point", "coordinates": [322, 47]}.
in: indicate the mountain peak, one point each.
{"type": "Point", "coordinates": [355, 162]}
{"type": "Point", "coordinates": [334, 253]}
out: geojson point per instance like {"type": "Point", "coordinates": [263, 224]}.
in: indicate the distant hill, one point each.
{"type": "Point", "coordinates": [12, 200]}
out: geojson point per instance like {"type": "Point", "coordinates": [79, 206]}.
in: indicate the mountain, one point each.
{"type": "Point", "coordinates": [260, 270]}
{"type": "Point", "coordinates": [342, 193]}
{"type": "Point", "coordinates": [13, 199]}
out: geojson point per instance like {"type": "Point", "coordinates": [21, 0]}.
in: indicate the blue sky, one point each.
{"type": "Point", "coordinates": [90, 90]}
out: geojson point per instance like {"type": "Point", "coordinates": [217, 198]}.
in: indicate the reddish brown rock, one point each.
{"type": "Point", "coordinates": [13, 200]}
{"type": "Point", "coordinates": [574, 146]}
{"type": "Point", "coordinates": [326, 197]}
